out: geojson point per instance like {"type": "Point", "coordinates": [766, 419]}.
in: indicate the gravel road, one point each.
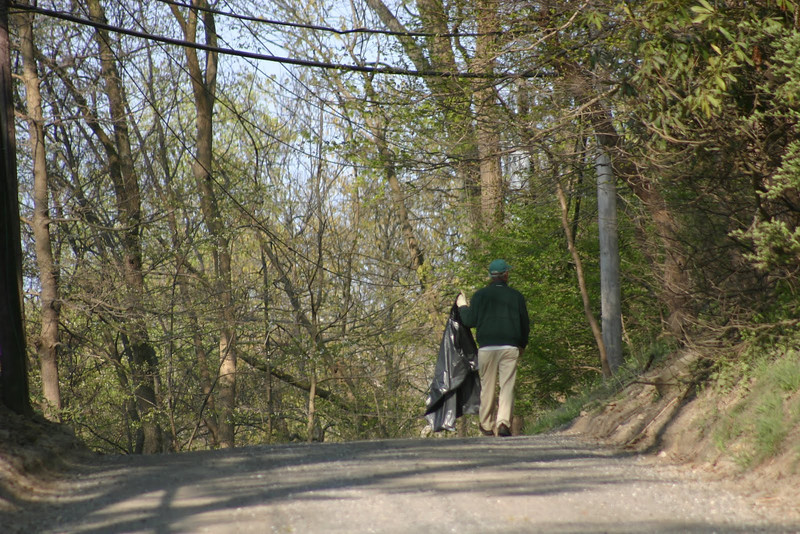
{"type": "Point", "coordinates": [550, 483]}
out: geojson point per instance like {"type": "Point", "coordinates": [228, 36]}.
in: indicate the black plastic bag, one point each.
{"type": "Point", "coordinates": [456, 386]}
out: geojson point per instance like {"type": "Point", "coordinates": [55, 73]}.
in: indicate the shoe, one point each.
{"type": "Point", "coordinates": [503, 431]}
{"type": "Point", "coordinates": [486, 432]}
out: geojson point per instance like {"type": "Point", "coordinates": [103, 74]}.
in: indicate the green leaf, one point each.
{"type": "Point", "coordinates": [725, 33]}
{"type": "Point", "coordinates": [700, 18]}
{"type": "Point", "coordinates": [707, 5]}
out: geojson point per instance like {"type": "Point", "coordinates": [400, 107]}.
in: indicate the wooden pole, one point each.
{"type": "Point", "coordinates": [13, 368]}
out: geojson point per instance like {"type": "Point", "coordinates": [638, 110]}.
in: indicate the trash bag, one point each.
{"type": "Point", "coordinates": [456, 386]}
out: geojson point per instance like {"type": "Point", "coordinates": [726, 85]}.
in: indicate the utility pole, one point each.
{"type": "Point", "coordinates": [13, 367]}
{"type": "Point", "coordinates": [610, 299]}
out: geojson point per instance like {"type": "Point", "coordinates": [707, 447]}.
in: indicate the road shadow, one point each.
{"type": "Point", "coordinates": [166, 493]}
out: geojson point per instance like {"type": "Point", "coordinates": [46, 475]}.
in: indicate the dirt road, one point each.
{"type": "Point", "coordinates": [476, 485]}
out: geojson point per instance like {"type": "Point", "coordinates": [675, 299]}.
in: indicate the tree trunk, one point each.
{"type": "Point", "coordinates": [676, 288]}
{"type": "Point", "coordinates": [454, 98]}
{"type": "Point", "coordinates": [13, 369]}
{"type": "Point", "coordinates": [587, 305]}
{"type": "Point", "coordinates": [377, 126]}
{"type": "Point", "coordinates": [486, 116]}
{"type": "Point", "coordinates": [416, 258]}
{"type": "Point", "coordinates": [204, 90]}
{"type": "Point", "coordinates": [183, 271]}
{"type": "Point", "coordinates": [47, 344]}
{"type": "Point", "coordinates": [144, 363]}
{"type": "Point", "coordinates": [676, 285]}
{"type": "Point", "coordinates": [312, 409]}
{"type": "Point", "coordinates": [270, 393]}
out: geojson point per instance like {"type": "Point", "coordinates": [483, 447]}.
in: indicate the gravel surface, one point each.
{"type": "Point", "coordinates": [550, 483]}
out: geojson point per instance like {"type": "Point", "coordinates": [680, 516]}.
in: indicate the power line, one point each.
{"type": "Point", "coordinates": [257, 223]}
{"type": "Point", "coordinates": [323, 28]}
{"type": "Point", "coordinates": [266, 57]}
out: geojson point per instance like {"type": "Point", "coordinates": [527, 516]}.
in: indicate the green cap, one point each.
{"type": "Point", "coordinates": [498, 267]}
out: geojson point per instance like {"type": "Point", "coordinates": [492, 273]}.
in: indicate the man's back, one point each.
{"type": "Point", "coordinates": [499, 314]}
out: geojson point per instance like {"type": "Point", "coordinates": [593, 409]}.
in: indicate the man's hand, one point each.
{"type": "Point", "coordinates": [461, 300]}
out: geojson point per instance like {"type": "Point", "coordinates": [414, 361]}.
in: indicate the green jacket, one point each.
{"type": "Point", "coordinates": [499, 314]}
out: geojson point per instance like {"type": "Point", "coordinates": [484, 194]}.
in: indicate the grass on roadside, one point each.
{"type": "Point", "coordinates": [756, 428]}
{"type": "Point", "coordinates": [574, 405]}
{"type": "Point", "coordinates": [763, 423]}
{"type": "Point", "coordinates": [603, 389]}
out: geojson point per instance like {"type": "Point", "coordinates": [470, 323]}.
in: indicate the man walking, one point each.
{"type": "Point", "coordinates": [500, 316]}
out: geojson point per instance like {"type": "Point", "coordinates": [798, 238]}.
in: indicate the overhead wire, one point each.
{"type": "Point", "coordinates": [249, 122]}
{"type": "Point", "coordinates": [329, 29]}
{"type": "Point", "coordinates": [269, 57]}
{"type": "Point", "coordinates": [388, 70]}
{"type": "Point", "coordinates": [250, 55]}
{"type": "Point", "coordinates": [257, 56]}
{"type": "Point", "coordinates": [321, 103]}
{"type": "Point", "coordinates": [240, 207]}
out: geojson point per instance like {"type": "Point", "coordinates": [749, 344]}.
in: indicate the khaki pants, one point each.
{"type": "Point", "coordinates": [493, 364]}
